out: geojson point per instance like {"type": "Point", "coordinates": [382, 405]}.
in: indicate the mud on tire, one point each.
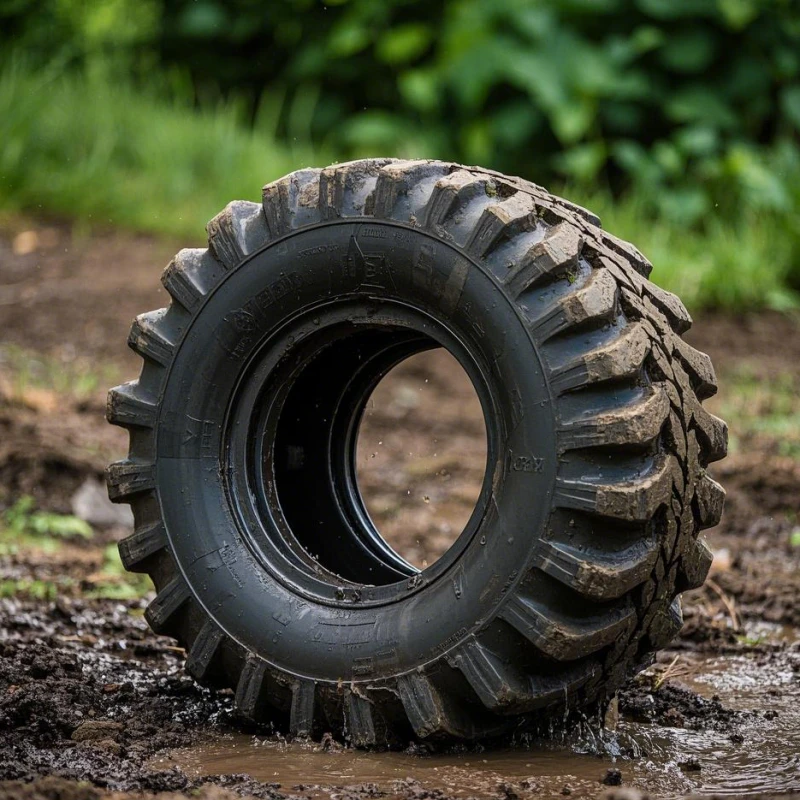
{"type": "Point", "coordinates": [242, 429]}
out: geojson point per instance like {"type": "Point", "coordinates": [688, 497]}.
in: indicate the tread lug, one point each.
{"type": "Point", "coordinates": [149, 340]}
{"type": "Point", "coordinates": [166, 604]}
{"type": "Point", "coordinates": [250, 686]}
{"type": "Point", "coordinates": [423, 706]}
{"type": "Point", "coordinates": [634, 500]}
{"type": "Point", "coordinates": [594, 578]}
{"type": "Point", "coordinates": [136, 549]}
{"type": "Point", "coordinates": [666, 624]}
{"type": "Point", "coordinates": [699, 368]}
{"type": "Point", "coordinates": [621, 358]}
{"type": "Point", "coordinates": [712, 434]}
{"type": "Point", "coordinates": [179, 278]}
{"type": "Point", "coordinates": [237, 232]}
{"type": "Point", "coordinates": [126, 478]}
{"type": "Point", "coordinates": [291, 202]}
{"type": "Point", "coordinates": [595, 302]}
{"type": "Point", "coordinates": [301, 716]}
{"type": "Point", "coordinates": [710, 498]}
{"type": "Point", "coordinates": [694, 566]}
{"type": "Point", "coordinates": [558, 252]}
{"type": "Point", "coordinates": [670, 306]}
{"type": "Point", "coordinates": [518, 212]}
{"type": "Point", "coordinates": [562, 637]}
{"type": "Point", "coordinates": [358, 717]}
{"type": "Point", "coordinates": [403, 189]}
{"type": "Point", "coordinates": [129, 407]}
{"type": "Point", "coordinates": [199, 662]}
{"type": "Point", "coordinates": [636, 423]}
{"type": "Point", "coordinates": [629, 252]}
{"type": "Point", "coordinates": [496, 687]}
{"type": "Point", "coordinates": [344, 188]}
{"type": "Point", "coordinates": [448, 193]}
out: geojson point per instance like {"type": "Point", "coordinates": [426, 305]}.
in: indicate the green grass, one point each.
{"type": "Point", "coordinates": [79, 379]}
{"type": "Point", "coordinates": [24, 528]}
{"type": "Point", "coordinates": [736, 264]}
{"type": "Point", "coordinates": [762, 411]}
{"type": "Point", "coordinates": [98, 150]}
{"type": "Point", "coordinates": [22, 525]}
{"type": "Point", "coordinates": [94, 148]}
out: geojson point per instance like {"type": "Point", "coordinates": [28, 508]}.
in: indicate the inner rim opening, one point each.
{"type": "Point", "coordinates": [421, 455]}
{"type": "Point", "coordinates": [306, 448]}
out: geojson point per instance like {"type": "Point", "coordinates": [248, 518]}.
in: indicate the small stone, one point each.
{"type": "Point", "coordinates": [109, 745]}
{"type": "Point", "coordinates": [94, 730]}
{"type": "Point", "coordinates": [674, 718]}
{"type": "Point", "coordinates": [25, 243]}
{"type": "Point", "coordinates": [91, 504]}
{"type": "Point", "coordinates": [613, 777]}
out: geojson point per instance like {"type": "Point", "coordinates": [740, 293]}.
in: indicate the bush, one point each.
{"type": "Point", "coordinates": [690, 108]}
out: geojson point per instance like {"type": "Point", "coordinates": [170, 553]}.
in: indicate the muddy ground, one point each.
{"type": "Point", "coordinates": [91, 702]}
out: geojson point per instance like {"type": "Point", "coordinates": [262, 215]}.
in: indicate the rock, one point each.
{"type": "Point", "coordinates": [109, 745]}
{"type": "Point", "coordinates": [91, 504]}
{"type": "Point", "coordinates": [613, 777]}
{"type": "Point", "coordinates": [95, 730]}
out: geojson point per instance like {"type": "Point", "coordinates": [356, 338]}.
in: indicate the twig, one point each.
{"type": "Point", "coordinates": [659, 681]}
{"type": "Point", "coordinates": [727, 602]}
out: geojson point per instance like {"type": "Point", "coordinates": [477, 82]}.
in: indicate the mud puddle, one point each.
{"type": "Point", "coordinates": [745, 740]}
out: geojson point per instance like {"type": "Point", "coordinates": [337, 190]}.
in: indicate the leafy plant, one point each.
{"type": "Point", "coordinates": [22, 521]}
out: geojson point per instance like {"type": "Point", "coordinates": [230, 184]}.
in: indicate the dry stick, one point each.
{"type": "Point", "coordinates": [727, 602]}
{"type": "Point", "coordinates": [659, 681]}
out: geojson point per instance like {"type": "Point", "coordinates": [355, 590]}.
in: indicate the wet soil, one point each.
{"type": "Point", "coordinates": [92, 703]}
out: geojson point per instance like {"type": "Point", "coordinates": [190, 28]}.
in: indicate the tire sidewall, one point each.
{"type": "Point", "coordinates": [373, 262]}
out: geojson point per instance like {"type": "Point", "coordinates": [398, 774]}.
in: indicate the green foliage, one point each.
{"type": "Point", "coordinates": [734, 262]}
{"type": "Point", "coordinates": [79, 378]}
{"type": "Point", "coordinates": [89, 145]}
{"type": "Point", "coordinates": [34, 588]}
{"type": "Point", "coordinates": [156, 113]}
{"type": "Point", "coordinates": [759, 410]}
{"type": "Point", "coordinates": [21, 526]}
{"type": "Point", "coordinates": [114, 582]}
{"type": "Point", "coordinates": [22, 520]}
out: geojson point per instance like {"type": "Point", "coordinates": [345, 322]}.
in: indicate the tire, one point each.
{"type": "Point", "coordinates": [267, 568]}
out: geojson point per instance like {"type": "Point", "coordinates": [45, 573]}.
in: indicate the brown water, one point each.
{"type": "Point", "coordinates": [662, 760]}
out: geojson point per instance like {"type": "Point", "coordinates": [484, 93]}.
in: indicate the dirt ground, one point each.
{"type": "Point", "coordinates": [92, 703]}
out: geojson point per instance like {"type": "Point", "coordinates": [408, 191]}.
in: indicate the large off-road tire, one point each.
{"type": "Point", "coordinates": [243, 425]}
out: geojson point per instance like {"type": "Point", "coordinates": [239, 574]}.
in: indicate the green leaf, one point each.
{"type": "Point", "coordinates": [738, 13]}
{"type": "Point", "coordinates": [420, 89]}
{"type": "Point", "coordinates": [573, 119]}
{"type": "Point", "coordinates": [684, 205]}
{"type": "Point", "coordinates": [404, 43]}
{"type": "Point", "coordinates": [677, 9]}
{"type": "Point", "coordinates": [347, 39]}
{"type": "Point", "coordinates": [700, 103]}
{"type": "Point", "coordinates": [583, 162]}
{"type": "Point", "coordinates": [689, 52]}
{"type": "Point", "coordinates": [697, 140]}
{"type": "Point", "coordinates": [202, 20]}
{"type": "Point", "coordinates": [44, 523]}
{"type": "Point", "coordinates": [790, 104]}
{"type": "Point", "coordinates": [794, 537]}
{"type": "Point", "coordinates": [668, 157]}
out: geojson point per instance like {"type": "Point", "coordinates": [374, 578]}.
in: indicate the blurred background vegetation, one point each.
{"type": "Point", "coordinates": [678, 121]}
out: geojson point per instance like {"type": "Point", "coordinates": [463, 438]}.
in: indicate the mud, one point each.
{"type": "Point", "coordinates": [92, 704]}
